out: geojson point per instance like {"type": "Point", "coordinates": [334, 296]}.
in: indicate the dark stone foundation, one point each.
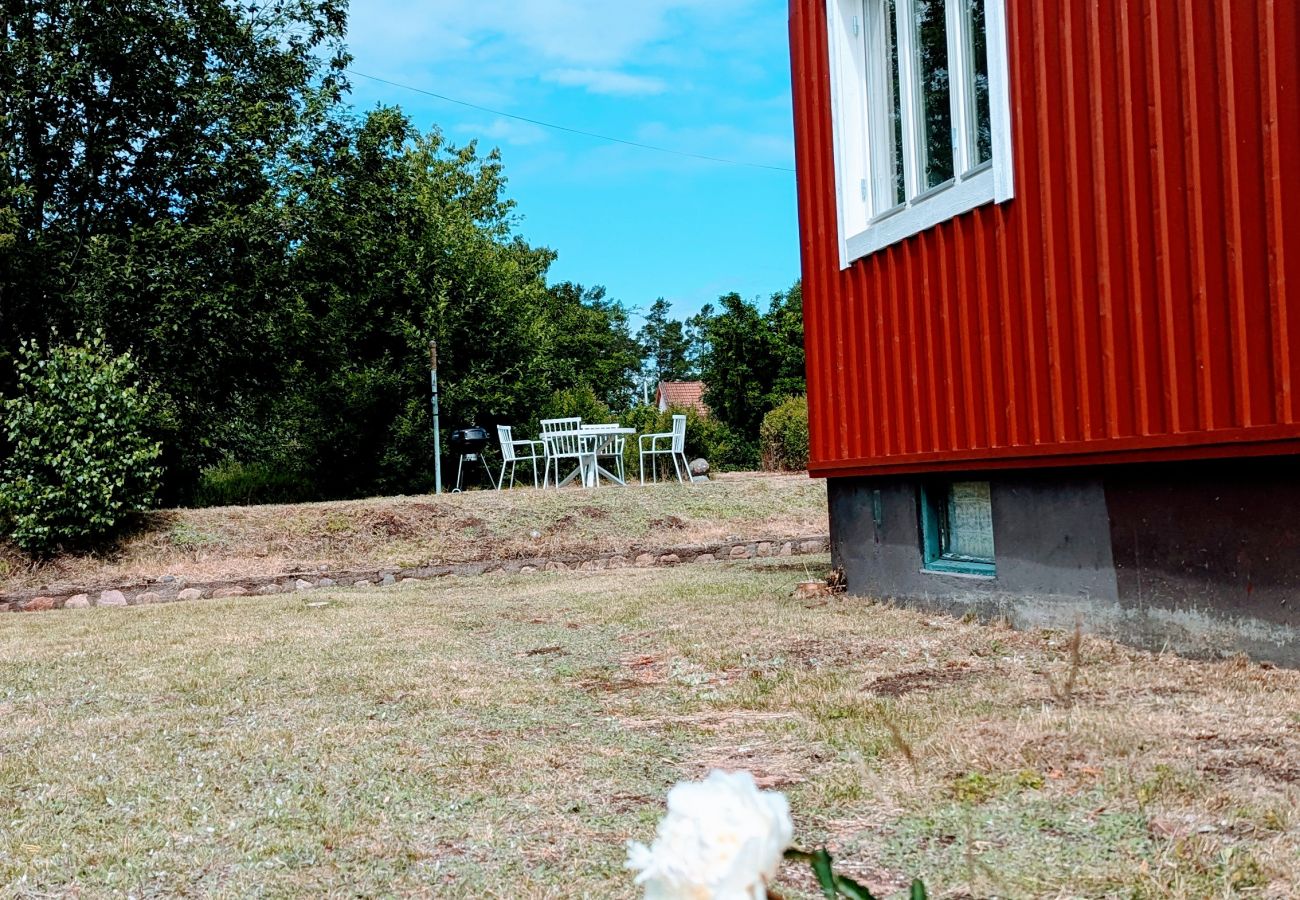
{"type": "Point", "coordinates": [1198, 558]}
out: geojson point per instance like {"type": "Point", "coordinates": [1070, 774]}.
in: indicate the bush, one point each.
{"type": "Point", "coordinates": [81, 460]}
{"type": "Point", "coordinates": [706, 437]}
{"type": "Point", "coordinates": [232, 483]}
{"type": "Point", "coordinates": [579, 401]}
{"type": "Point", "coordinates": [783, 436]}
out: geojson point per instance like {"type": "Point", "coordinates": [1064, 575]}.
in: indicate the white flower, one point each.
{"type": "Point", "coordinates": [722, 839]}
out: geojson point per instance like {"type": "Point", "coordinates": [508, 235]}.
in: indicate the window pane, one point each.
{"type": "Point", "coordinates": [970, 521]}
{"type": "Point", "coordinates": [931, 31]}
{"type": "Point", "coordinates": [979, 78]}
{"type": "Point", "coordinates": [892, 189]}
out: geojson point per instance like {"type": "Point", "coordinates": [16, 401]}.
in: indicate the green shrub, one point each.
{"type": "Point", "coordinates": [783, 436]}
{"type": "Point", "coordinates": [579, 401]}
{"type": "Point", "coordinates": [232, 483]}
{"type": "Point", "coordinates": [706, 437]}
{"type": "Point", "coordinates": [81, 460]}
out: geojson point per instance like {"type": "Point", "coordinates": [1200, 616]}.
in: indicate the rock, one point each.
{"type": "Point", "coordinates": [555, 566]}
{"type": "Point", "coordinates": [78, 601]}
{"type": "Point", "coordinates": [267, 589]}
{"type": "Point", "coordinates": [388, 579]}
{"type": "Point", "coordinates": [765, 548]}
{"type": "Point", "coordinates": [167, 579]}
{"type": "Point", "coordinates": [190, 594]}
{"type": "Point", "coordinates": [111, 598]}
{"type": "Point", "coordinates": [303, 585]}
{"type": "Point", "coordinates": [645, 559]}
{"type": "Point", "coordinates": [787, 549]}
{"type": "Point", "coordinates": [326, 582]}
{"type": "Point", "coordinates": [148, 598]}
{"type": "Point", "coordinates": [600, 565]}
{"type": "Point", "coordinates": [669, 559]}
{"type": "Point", "coordinates": [740, 551]}
{"type": "Point", "coordinates": [527, 570]}
{"type": "Point", "coordinates": [496, 572]}
{"type": "Point", "coordinates": [812, 547]}
{"type": "Point", "coordinates": [706, 558]}
{"type": "Point", "coordinates": [534, 534]}
{"type": "Point", "coordinates": [235, 591]}
{"type": "Point", "coordinates": [699, 467]}
{"type": "Point", "coordinates": [38, 604]}
{"type": "Point", "coordinates": [362, 583]}
{"type": "Point", "coordinates": [411, 580]}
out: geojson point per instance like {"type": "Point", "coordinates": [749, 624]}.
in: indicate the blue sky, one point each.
{"type": "Point", "coordinates": [700, 76]}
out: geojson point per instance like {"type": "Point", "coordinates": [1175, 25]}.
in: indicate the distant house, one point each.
{"type": "Point", "coordinates": [681, 394]}
{"type": "Point", "coordinates": [1050, 256]}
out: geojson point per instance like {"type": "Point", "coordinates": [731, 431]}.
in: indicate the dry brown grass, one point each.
{"type": "Point", "coordinates": [506, 736]}
{"type": "Point", "coordinates": [251, 541]}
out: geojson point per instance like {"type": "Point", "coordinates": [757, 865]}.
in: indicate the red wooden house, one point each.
{"type": "Point", "coordinates": [1051, 252]}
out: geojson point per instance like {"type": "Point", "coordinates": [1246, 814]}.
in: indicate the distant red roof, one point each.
{"type": "Point", "coordinates": [683, 394]}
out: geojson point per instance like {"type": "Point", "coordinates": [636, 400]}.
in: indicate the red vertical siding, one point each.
{"type": "Point", "coordinates": [1131, 302]}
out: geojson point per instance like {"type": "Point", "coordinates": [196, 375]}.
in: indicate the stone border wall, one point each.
{"type": "Point", "coordinates": [169, 588]}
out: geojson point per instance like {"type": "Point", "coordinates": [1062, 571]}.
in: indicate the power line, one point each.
{"type": "Point", "coordinates": [590, 134]}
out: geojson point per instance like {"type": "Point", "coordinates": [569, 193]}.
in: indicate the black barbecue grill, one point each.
{"type": "Point", "coordinates": [468, 444]}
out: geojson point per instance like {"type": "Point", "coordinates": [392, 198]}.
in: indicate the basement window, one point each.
{"type": "Point", "coordinates": [921, 113]}
{"type": "Point", "coordinates": [957, 528]}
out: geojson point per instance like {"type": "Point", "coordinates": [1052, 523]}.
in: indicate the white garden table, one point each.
{"type": "Point", "coordinates": [593, 440]}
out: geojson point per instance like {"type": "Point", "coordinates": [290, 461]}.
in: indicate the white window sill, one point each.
{"type": "Point", "coordinates": [925, 212]}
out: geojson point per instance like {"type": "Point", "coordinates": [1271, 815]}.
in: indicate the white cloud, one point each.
{"type": "Point", "coordinates": [607, 81]}
{"type": "Point", "coordinates": [581, 34]}
{"type": "Point", "coordinates": [506, 131]}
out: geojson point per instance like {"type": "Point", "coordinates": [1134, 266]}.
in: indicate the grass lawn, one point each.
{"type": "Point", "coordinates": [506, 736]}
{"type": "Point", "coordinates": [253, 541]}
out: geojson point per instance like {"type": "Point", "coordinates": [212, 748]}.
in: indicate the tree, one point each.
{"type": "Point", "coordinates": [139, 154]}
{"type": "Point", "coordinates": [665, 344]}
{"type": "Point", "coordinates": [751, 361]}
{"type": "Point", "coordinates": [592, 346]}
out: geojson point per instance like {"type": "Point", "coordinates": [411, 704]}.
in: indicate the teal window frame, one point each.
{"type": "Point", "coordinates": [935, 541]}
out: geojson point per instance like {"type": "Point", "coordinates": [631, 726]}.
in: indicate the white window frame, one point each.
{"type": "Point", "coordinates": [859, 118]}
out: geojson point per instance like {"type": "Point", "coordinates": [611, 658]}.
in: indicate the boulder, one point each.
{"type": "Point", "coordinates": [706, 558]}
{"type": "Point", "coordinates": [38, 604]}
{"type": "Point", "coordinates": [147, 598]}
{"type": "Point", "coordinates": [111, 598]}
{"type": "Point", "coordinates": [669, 559]}
{"type": "Point", "coordinates": [389, 579]}
{"type": "Point", "coordinates": [235, 591]}
{"type": "Point", "coordinates": [645, 559]}
{"type": "Point", "coordinates": [78, 601]}
{"type": "Point", "coordinates": [740, 551]}
{"type": "Point", "coordinates": [190, 594]}
{"type": "Point", "coordinates": [303, 585]}
{"type": "Point", "coordinates": [699, 467]}
{"type": "Point", "coordinates": [361, 583]}
{"type": "Point", "coordinates": [326, 582]}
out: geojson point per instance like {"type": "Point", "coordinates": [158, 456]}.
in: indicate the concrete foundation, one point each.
{"type": "Point", "coordinates": [1199, 558]}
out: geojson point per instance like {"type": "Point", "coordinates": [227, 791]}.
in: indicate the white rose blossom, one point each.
{"type": "Point", "coordinates": [723, 839]}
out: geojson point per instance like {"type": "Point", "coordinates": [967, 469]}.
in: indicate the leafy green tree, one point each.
{"type": "Point", "coordinates": [400, 238]}
{"type": "Point", "coordinates": [666, 345]}
{"type": "Point", "coordinates": [169, 111]}
{"type": "Point", "coordinates": [751, 361]}
{"type": "Point", "coordinates": [82, 458]}
{"type": "Point", "coordinates": [592, 345]}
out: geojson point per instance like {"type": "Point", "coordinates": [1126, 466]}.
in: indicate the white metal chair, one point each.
{"type": "Point", "coordinates": [613, 447]}
{"type": "Point", "coordinates": [513, 452]}
{"type": "Point", "coordinates": [563, 441]}
{"type": "Point", "coordinates": [676, 449]}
